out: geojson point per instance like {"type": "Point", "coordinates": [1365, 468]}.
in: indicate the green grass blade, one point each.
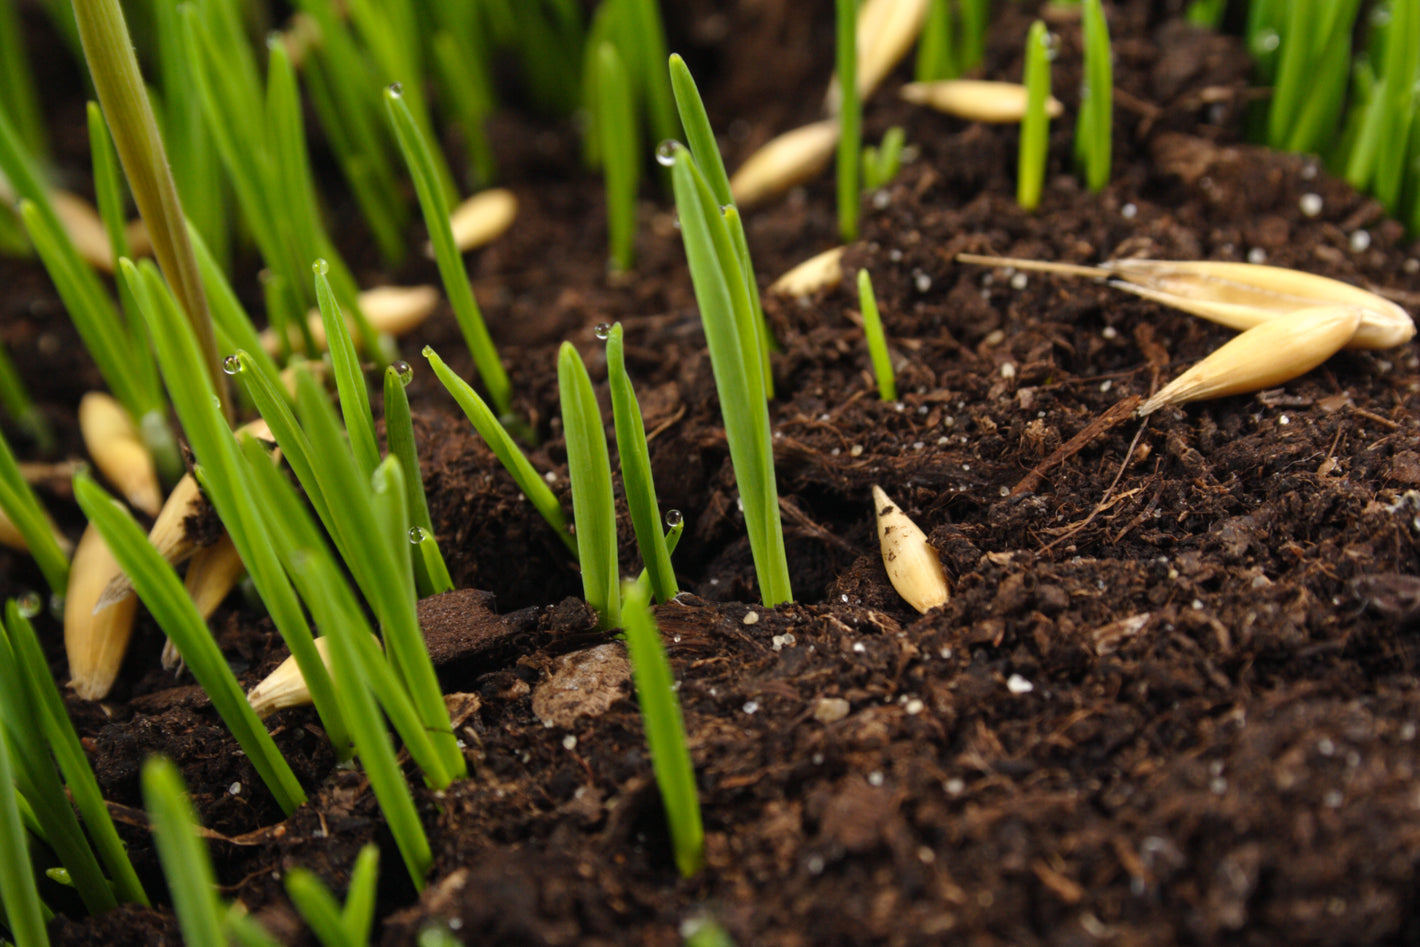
{"type": "Point", "coordinates": [419, 157]}
{"type": "Point", "coordinates": [24, 914]}
{"type": "Point", "coordinates": [20, 504]}
{"type": "Point", "coordinates": [183, 854]}
{"type": "Point", "coordinates": [646, 41]}
{"type": "Point", "coordinates": [636, 471]}
{"type": "Point", "coordinates": [108, 188]}
{"type": "Point", "coordinates": [244, 930]}
{"type": "Point", "coordinates": [17, 88]}
{"type": "Point", "coordinates": [616, 132]}
{"type": "Point", "coordinates": [738, 383]}
{"type": "Point", "coordinates": [430, 571]}
{"type": "Point", "coordinates": [1035, 126]}
{"type": "Point", "coordinates": [935, 52]}
{"type": "Point", "coordinates": [505, 449]}
{"type": "Point", "coordinates": [850, 136]}
{"type": "Point", "coordinates": [877, 341]}
{"type": "Point", "coordinates": [16, 402]}
{"type": "Point", "coordinates": [234, 327]}
{"type": "Point", "coordinates": [162, 591]}
{"type": "Point", "coordinates": [1094, 128]}
{"type": "Point", "coordinates": [318, 908]}
{"type": "Point", "coordinates": [349, 379]}
{"type": "Point", "coordinates": [359, 912]}
{"type": "Point", "coordinates": [63, 742]}
{"type": "Point", "coordinates": [589, 469]}
{"type": "Point", "coordinates": [665, 732]}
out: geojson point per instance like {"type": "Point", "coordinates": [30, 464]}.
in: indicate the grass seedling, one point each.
{"type": "Point", "coordinates": [17, 88]}
{"type": "Point", "coordinates": [636, 471]}
{"type": "Point", "coordinates": [16, 402]}
{"type": "Point", "coordinates": [124, 98]}
{"type": "Point", "coordinates": [486, 423]}
{"type": "Point", "coordinates": [706, 154]}
{"type": "Point", "coordinates": [349, 379]}
{"type": "Point", "coordinates": [463, 61]}
{"type": "Point", "coordinates": [162, 591]}
{"type": "Point", "coordinates": [589, 469]}
{"type": "Point", "coordinates": [1377, 159]}
{"type": "Point", "coordinates": [1206, 13]}
{"type": "Point", "coordinates": [850, 124]}
{"type": "Point", "coordinates": [24, 913]}
{"type": "Point", "coordinates": [108, 187]}
{"type": "Point", "coordinates": [45, 702]}
{"type": "Point", "coordinates": [616, 132]}
{"type": "Point", "coordinates": [1035, 126]}
{"type": "Point", "coordinates": [665, 730]}
{"type": "Point", "coordinates": [877, 341]}
{"type": "Point", "coordinates": [19, 503]}
{"type": "Point", "coordinates": [334, 925]}
{"type": "Point", "coordinates": [936, 58]}
{"type": "Point", "coordinates": [732, 339]}
{"type": "Point", "coordinates": [430, 573]}
{"type": "Point", "coordinates": [419, 157]}
{"type": "Point", "coordinates": [882, 163]}
{"type": "Point", "coordinates": [1094, 128]}
{"type": "Point", "coordinates": [1312, 68]}
{"type": "Point", "coordinates": [187, 865]}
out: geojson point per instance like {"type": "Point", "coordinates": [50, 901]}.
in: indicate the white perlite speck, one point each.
{"type": "Point", "coordinates": [1019, 685]}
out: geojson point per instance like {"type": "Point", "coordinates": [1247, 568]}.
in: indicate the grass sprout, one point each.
{"type": "Point", "coordinates": [187, 865]}
{"type": "Point", "coordinates": [430, 573]}
{"type": "Point", "coordinates": [665, 731]}
{"type": "Point", "coordinates": [877, 341]}
{"type": "Point", "coordinates": [162, 591]}
{"type": "Point", "coordinates": [1094, 128]}
{"type": "Point", "coordinates": [1310, 82]}
{"type": "Point", "coordinates": [733, 339]}
{"type": "Point", "coordinates": [589, 470]}
{"type": "Point", "coordinates": [24, 912]}
{"type": "Point", "coordinates": [882, 163]}
{"type": "Point", "coordinates": [486, 423]}
{"type": "Point", "coordinates": [419, 156]}
{"type": "Point", "coordinates": [616, 133]}
{"type": "Point", "coordinates": [1035, 126]}
{"type": "Point", "coordinates": [22, 507]}
{"type": "Point", "coordinates": [850, 113]}
{"type": "Point", "coordinates": [333, 924]}
{"type": "Point", "coordinates": [349, 379]}
{"type": "Point", "coordinates": [636, 477]}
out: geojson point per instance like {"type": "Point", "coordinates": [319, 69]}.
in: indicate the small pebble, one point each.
{"type": "Point", "coordinates": [751, 618]}
{"type": "Point", "coordinates": [913, 707]}
{"type": "Point", "coordinates": [569, 742]}
{"type": "Point", "coordinates": [235, 789]}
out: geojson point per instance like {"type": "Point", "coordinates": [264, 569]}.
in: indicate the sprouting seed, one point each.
{"type": "Point", "coordinates": [118, 450]}
{"type": "Point", "coordinates": [977, 100]}
{"type": "Point", "coordinates": [391, 310]}
{"type": "Point", "coordinates": [911, 562]}
{"type": "Point", "coordinates": [817, 272]}
{"type": "Point", "coordinates": [886, 30]}
{"type": "Point", "coordinates": [95, 642]}
{"type": "Point", "coordinates": [783, 162]}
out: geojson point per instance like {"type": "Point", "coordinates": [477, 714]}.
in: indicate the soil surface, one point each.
{"type": "Point", "coordinates": [1172, 698]}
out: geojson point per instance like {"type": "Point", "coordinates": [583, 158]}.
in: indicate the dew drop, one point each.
{"type": "Point", "coordinates": [29, 604]}
{"type": "Point", "coordinates": [404, 370]}
{"type": "Point", "coordinates": [232, 364]}
{"type": "Point", "coordinates": [395, 90]}
{"type": "Point", "coordinates": [320, 267]}
{"type": "Point", "coordinates": [666, 152]}
{"type": "Point", "coordinates": [417, 534]}
{"type": "Point", "coordinates": [674, 518]}
{"type": "Point", "coordinates": [603, 330]}
{"type": "Point", "coordinates": [427, 351]}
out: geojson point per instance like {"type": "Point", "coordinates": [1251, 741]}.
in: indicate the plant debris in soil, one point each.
{"type": "Point", "coordinates": [1171, 700]}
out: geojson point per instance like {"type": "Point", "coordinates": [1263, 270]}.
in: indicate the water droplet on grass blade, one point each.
{"type": "Point", "coordinates": [404, 370]}
{"type": "Point", "coordinates": [417, 534]}
{"type": "Point", "coordinates": [603, 330]}
{"type": "Point", "coordinates": [674, 518]}
{"type": "Point", "coordinates": [395, 90]}
{"type": "Point", "coordinates": [320, 267]}
{"type": "Point", "coordinates": [232, 364]}
{"type": "Point", "coordinates": [666, 152]}
{"type": "Point", "coordinates": [30, 603]}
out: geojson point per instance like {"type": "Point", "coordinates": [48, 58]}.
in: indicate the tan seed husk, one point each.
{"type": "Point", "coordinates": [977, 100]}
{"type": "Point", "coordinates": [1264, 356]}
{"type": "Point", "coordinates": [211, 574]}
{"type": "Point", "coordinates": [285, 687]}
{"type": "Point", "coordinates": [85, 228]}
{"type": "Point", "coordinates": [481, 219]}
{"type": "Point", "coordinates": [95, 642]}
{"type": "Point", "coordinates": [783, 162]}
{"type": "Point", "coordinates": [817, 272]}
{"type": "Point", "coordinates": [911, 562]}
{"type": "Point", "coordinates": [10, 536]}
{"type": "Point", "coordinates": [118, 451]}
{"type": "Point", "coordinates": [390, 310]}
{"type": "Point", "coordinates": [1236, 295]}
{"type": "Point", "coordinates": [886, 30]}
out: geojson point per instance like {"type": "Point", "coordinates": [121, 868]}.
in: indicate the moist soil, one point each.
{"type": "Point", "coordinates": [1172, 697]}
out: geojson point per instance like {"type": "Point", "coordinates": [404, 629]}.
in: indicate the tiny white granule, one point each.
{"type": "Point", "coordinates": [913, 707]}
{"type": "Point", "coordinates": [1129, 211]}
{"type": "Point", "coordinates": [569, 742]}
{"type": "Point", "coordinates": [1256, 255]}
{"type": "Point", "coordinates": [875, 778]}
{"type": "Point", "coordinates": [1008, 370]}
{"type": "Point", "coordinates": [1360, 241]}
{"type": "Point", "coordinates": [1309, 204]}
{"type": "Point", "coordinates": [1110, 332]}
{"type": "Point", "coordinates": [751, 618]}
{"type": "Point", "coordinates": [1019, 685]}
{"type": "Point", "coordinates": [751, 706]}
{"type": "Point", "coordinates": [235, 789]}
{"type": "Point", "coordinates": [922, 281]}
{"type": "Point", "coordinates": [1019, 281]}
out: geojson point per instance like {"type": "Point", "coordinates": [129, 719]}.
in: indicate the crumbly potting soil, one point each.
{"type": "Point", "coordinates": [1172, 698]}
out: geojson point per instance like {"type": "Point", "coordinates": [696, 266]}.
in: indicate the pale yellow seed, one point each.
{"type": "Point", "coordinates": [817, 272]}
{"type": "Point", "coordinates": [911, 562]}
{"type": "Point", "coordinates": [481, 219]}
{"type": "Point", "coordinates": [390, 310]}
{"type": "Point", "coordinates": [977, 100]}
{"type": "Point", "coordinates": [85, 228]}
{"type": "Point", "coordinates": [211, 575]}
{"type": "Point", "coordinates": [10, 535]}
{"type": "Point", "coordinates": [1236, 295]}
{"type": "Point", "coordinates": [95, 642]}
{"type": "Point", "coordinates": [886, 30]}
{"type": "Point", "coordinates": [285, 687]}
{"type": "Point", "coordinates": [784, 162]}
{"type": "Point", "coordinates": [118, 451]}
{"type": "Point", "coordinates": [1264, 356]}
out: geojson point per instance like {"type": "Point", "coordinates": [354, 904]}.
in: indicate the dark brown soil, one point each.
{"type": "Point", "coordinates": [1172, 698]}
